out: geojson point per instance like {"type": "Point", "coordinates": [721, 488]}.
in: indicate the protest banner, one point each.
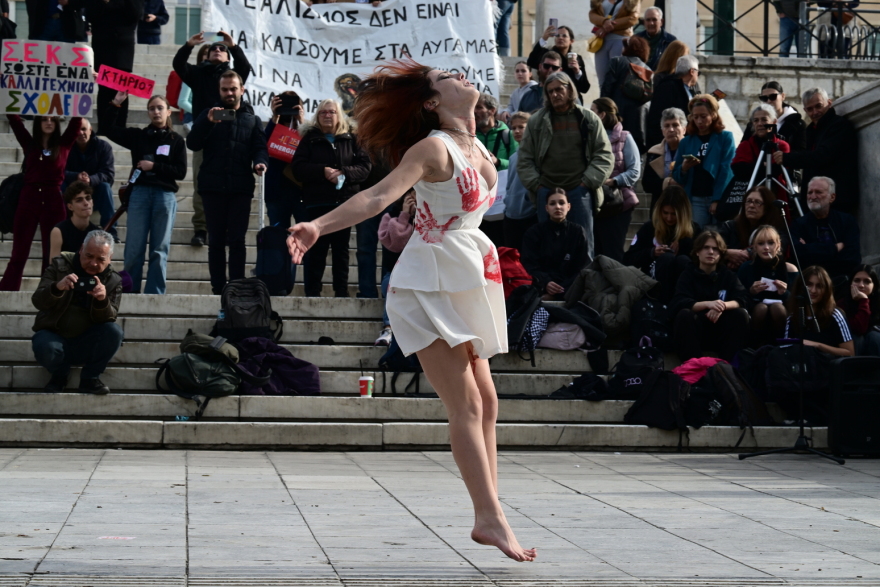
{"type": "Point", "coordinates": [116, 79]}
{"type": "Point", "coordinates": [325, 50]}
{"type": "Point", "coordinates": [46, 78]}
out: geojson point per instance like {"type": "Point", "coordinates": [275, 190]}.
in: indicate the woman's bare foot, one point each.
{"type": "Point", "coordinates": [498, 533]}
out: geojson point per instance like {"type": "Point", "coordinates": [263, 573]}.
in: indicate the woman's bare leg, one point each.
{"type": "Point", "coordinates": [451, 373]}
{"type": "Point", "coordinates": [483, 377]}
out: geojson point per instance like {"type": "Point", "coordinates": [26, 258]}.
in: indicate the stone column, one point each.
{"type": "Point", "coordinates": [681, 21]}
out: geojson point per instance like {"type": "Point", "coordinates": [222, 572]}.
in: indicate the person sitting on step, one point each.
{"type": "Point", "coordinates": [68, 235]}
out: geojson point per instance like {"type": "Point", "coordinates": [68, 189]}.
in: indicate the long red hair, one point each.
{"type": "Point", "coordinates": [390, 112]}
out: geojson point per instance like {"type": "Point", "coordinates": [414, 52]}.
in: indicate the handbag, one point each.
{"type": "Point", "coordinates": [595, 44]}
{"type": "Point", "coordinates": [283, 143]}
{"type": "Point", "coordinates": [610, 203]}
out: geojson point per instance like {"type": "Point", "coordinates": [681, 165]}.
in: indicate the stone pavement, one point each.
{"type": "Point", "coordinates": [136, 518]}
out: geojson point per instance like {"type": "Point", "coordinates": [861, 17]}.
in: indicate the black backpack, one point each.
{"type": "Point", "coordinates": [661, 403]}
{"type": "Point", "coordinates": [638, 84]}
{"type": "Point", "coordinates": [246, 311]}
{"type": "Point", "coordinates": [394, 362]}
{"type": "Point", "coordinates": [651, 318]}
{"type": "Point", "coordinates": [10, 191]}
{"type": "Point", "coordinates": [740, 405]}
{"type": "Point", "coordinates": [634, 370]}
{"type": "Point", "coordinates": [523, 332]}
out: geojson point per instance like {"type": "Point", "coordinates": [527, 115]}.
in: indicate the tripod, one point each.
{"type": "Point", "coordinates": [802, 442]}
{"type": "Point", "coordinates": [765, 161]}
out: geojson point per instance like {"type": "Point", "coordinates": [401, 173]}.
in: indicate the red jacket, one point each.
{"type": "Point", "coordinates": [39, 169]}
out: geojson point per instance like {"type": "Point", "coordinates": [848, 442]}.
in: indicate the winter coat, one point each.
{"type": "Point", "coordinates": [632, 112]}
{"type": "Point", "coordinates": [114, 27]}
{"type": "Point", "coordinates": [696, 286]}
{"type": "Point", "coordinates": [315, 153]}
{"type": "Point", "coordinates": [623, 146]}
{"type": "Point", "coordinates": [204, 78]}
{"type": "Point", "coordinates": [611, 289]}
{"type": "Point", "coordinates": [97, 160]}
{"type": "Point", "coordinates": [157, 9]}
{"type": "Point", "coordinates": [52, 303]}
{"type": "Point", "coordinates": [232, 149]}
{"type": "Point", "coordinates": [554, 251]}
{"type": "Point", "coordinates": [716, 162]}
{"type": "Point", "coordinates": [627, 16]}
{"type": "Point", "coordinates": [669, 92]}
{"type": "Point", "coordinates": [844, 229]}
{"type": "Point", "coordinates": [169, 165]}
{"type": "Point", "coordinates": [659, 48]}
{"type": "Point", "coordinates": [290, 376]}
{"type": "Point", "coordinates": [654, 177]}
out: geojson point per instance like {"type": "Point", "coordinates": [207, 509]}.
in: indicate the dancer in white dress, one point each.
{"type": "Point", "coordinates": [445, 300]}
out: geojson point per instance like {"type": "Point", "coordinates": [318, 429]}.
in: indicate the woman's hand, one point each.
{"type": "Point", "coordinates": [736, 257]}
{"type": "Point", "coordinates": [856, 294]}
{"type": "Point", "coordinates": [145, 165]}
{"type": "Point", "coordinates": [331, 174]}
{"type": "Point", "coordinates": [409, 204]}
{"type": "Point", "coordinates": [660, 250]}
{"type": "Point", "coordinates": [758, 287]}
{"type": "Point", "coordinates": [610, 181]}
{"type": "Point", "coordinates": [275, 105]}
{"type": "Point", "coordinates": [302, 237]}
{"type": "Point", "coordinates": [674, 247]}
{"type": "Point", "coordinates": [688, 163]}
{"type": "Point", "coordinates": [150, 17]}
{"type": "Point", "coordinates": [227, 40]}
{"type": "Point", "coordinates": [550, 31]}
{"type": "Point", "coordinates": [608, 25]}
{"type": "Point", "coordinates": [554, 288]}
{"type": "Point", "coordinates": [120, 98]}
{"type": "Point", "coordinates": [713, 207]}
{"type": "Point", "coordinates": [781, 286]}
{"type": "Point", "coordinates": [574, 66]}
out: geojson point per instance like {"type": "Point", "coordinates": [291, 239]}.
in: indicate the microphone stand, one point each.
{"type": "Point", "coordinates": [802, 443]}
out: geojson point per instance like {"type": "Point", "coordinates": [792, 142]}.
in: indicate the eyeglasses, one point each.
{"type": "Point", "coordinates": [327, 112]}
{"type": "Point", "coordinates": [768, 98]}
{"type": "Point", "coordinates": [755, 203]}
{"type": "Point", "coordinates": [221, 48]}
{"type": "Point", "coordinates": [551, 67]}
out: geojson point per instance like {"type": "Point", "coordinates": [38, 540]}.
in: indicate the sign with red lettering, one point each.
{"type": "Point", "coordinates": [116, 79]}
{"type": "Point", "coordinates": [283, 143]}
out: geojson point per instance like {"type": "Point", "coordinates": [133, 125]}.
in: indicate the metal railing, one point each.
{"type": "Point", "coordinates": [834, 32]}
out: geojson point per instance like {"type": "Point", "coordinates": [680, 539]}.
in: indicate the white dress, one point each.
{"type": "Point", "coordinates": [447, 282]}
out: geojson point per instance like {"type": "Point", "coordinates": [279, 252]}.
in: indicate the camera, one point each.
{"type": "Point", "coordinates": [771, 129]}
{"type": "Point", "coordinates": [85, 284]}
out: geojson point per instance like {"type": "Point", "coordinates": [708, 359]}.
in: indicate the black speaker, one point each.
{"type": "Point", "coordinates": [854, 428]}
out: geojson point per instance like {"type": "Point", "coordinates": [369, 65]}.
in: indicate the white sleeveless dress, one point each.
{"type": "Point", "coordinates": [447, 282]}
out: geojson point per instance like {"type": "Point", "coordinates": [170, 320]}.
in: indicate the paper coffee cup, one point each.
{"type": "Point", "coordinates": [366, 386]}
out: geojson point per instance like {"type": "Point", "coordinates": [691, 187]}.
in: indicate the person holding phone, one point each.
{"type": "Point", "coordinates": [572, 63]}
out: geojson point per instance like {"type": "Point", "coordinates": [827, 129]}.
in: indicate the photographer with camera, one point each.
{"type": "Point", "coordinates": [78, 301]}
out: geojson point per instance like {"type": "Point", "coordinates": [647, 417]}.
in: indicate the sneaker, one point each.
{"type": "Point", "coordinates": [57, 383]}
{"type": "Point", "coordinates": [199, 239]}
{"type": "Point", "coordinates": [384, 337]}
{"type": "Point", "coordinates": [94, 386]}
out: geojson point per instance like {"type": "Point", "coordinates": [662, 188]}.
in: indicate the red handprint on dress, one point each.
{"type": "Point", "coordinates": [426, 225]}
{"type": "Point", "coordinates": [469, 188]}
{"type": "Point", "coordinates": [491, 266]}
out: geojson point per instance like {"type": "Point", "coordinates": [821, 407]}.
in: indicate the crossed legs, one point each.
{"type": "Point", "coordinates": [465, 386]}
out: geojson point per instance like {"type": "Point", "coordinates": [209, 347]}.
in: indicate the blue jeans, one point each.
{"type": "Point", "coordinates": [386, 279]}
{"type": "Point", "coordinates": [502, 27]}
{"type": "Point", "coordinates": [151, 212]}
{"type": "Point", "coordinates": [788, 34]}
{"type": "Point", "coordinates": [700, 210]}
{"type": "Point", "coordinates": [581, 211]}
{"type": "Point", "coordinates": [367, 244]}
{"type": "Point", "coordinates": [92, 349]}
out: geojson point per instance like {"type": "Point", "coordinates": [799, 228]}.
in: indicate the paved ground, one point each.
{"type": "Point", "coordinates": [90, 517]}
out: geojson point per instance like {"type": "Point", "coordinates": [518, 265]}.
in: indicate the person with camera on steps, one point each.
{"type": "Point", "coordinates": [234, 146]}
{"type": "Point", "coordinates": [69, 235]}
{"type": "Point", "coordinates": [92, 161]}
{"type": "Point", "coordinates": [78, 303]}
{"type": "Point", "coordinates": [159, 154]}
{"type": "Point", "coordinates": [203, 78]}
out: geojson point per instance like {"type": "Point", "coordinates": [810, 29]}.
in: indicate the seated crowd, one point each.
{"type": "Point", "coordinates": [717, 247]}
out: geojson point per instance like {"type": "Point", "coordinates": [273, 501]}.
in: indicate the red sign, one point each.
{"type": "Point", "coordinates": [116, 79]}
{"type": "Point", "coordinates": [283, 143]}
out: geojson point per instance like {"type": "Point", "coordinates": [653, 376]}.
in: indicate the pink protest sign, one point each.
{"type": "Point", "coordinates": [116, 79]}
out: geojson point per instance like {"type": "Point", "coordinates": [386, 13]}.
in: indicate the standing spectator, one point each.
{"type": "Point", "coordinates": [554, 251]}
{"type": "Point", "coordinates": [92, 161]}
{"type": "Point", "coordinates": [862, 308]}
{"type": "Point", "coordinates": [203, 79]}
{"type": "Point", "coordinates": [149, 30]}
{"type": "Point", "coordinates": [658, 39]}
{"type": "Point", "coordinates": [834, 336]}
{"type": "Point", "coordinates": [519, 207]}
{"type": "Point", "coordinates": [768, 279]}
{"type": "Point", "coordinates": [185, 103]}
{"type": "Point", "coordinates": [500, 143]}
{"type": "Point", "coordinates": [69, 235]}
{"type": "Point", "coordinates": [757, 209]}
{"type": "Point", "coordinates": [708, 150]}
{"type": "Point", "coordinates": [75, 327]}
{"type": "Point", "coordinates": [368, 240]}
{"type": "Point", "coordinates": [502, 26]}
{"type": "Point", "coordinates": [614, 20]}
{"type": "Point", "coordinates": [673, 91]}
{"type": "Point", "coordinates": [789, 16]}
{"type": "Point", "coordinates": [533, 96]}
{"type": "Point", "coordinates": [53, 21]}
{"type": "Point", "coordinates": [331, 165]}
{"type": "Point", "coordinates": [114, 26]}
{"type": "Point", "coordinates": [662, 246]}
{"type": "Point", "coordinates": [832, 150]}
{"type": "Point", "coordinates": [668, 61]}
{"type": "Point", "coordinates": [160, 154]}
{"type": "Point", "coordinates": [233, 151]}
{"type": "Point", "coordinates": [827, 237]}
{"type": "Point", "coordinates": [610, 233]}
{"type": "Point", "coordinates": [709, 303]}
{"type": "Point", "coordinates": [560, 129]}
{"type": "Point", "coordinates": [790, 125]}
{"type": "Point", "coordinates": [660, 158]}
{"type": "Point", "coordinates": [394, 233]}
{"type": "Point", "coordinates": [523, 74]}
{"type": "Point", "coordinates": [632, 112]}
{"type": "Point", "coordinates": [40, 203]}
{"type": "Point", "coordinates": [574, 67]}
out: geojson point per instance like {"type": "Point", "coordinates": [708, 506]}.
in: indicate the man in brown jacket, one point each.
{"type": "Point", "coordinates": [78, 300]}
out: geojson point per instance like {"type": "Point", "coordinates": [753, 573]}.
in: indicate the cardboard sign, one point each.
{"type": "Point", "coordinates": [283, 143]}
{"type": "Point", "coordinates": [46, 78]}
{"type": "Point", "coordinates": [116, 79]}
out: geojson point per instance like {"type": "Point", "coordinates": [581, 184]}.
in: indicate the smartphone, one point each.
{"type": "Point", "coordinates": [85, 284]}
{"type": "Point", "coordinates": [692, 157]}
{"type": "Point", "coordinates": [719, 95]}
{"type": "Point", "coordinates": [214, 37]}
{"type": "Point", "coordinates": [224, 115]}
{"type": "Point", "coordinates": [554, 22]}
{"type": "Point", "coordinates": [290, 105]}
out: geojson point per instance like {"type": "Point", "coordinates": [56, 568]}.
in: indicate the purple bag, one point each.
{"type": "Point", "coordinates": [290, 376]}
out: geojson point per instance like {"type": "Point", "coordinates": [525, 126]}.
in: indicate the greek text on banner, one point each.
{"type": "Point", "coordinates": [46, 78]}
{"type": "Point", "coordinates": [325, 50]}
{"type": "Point", "coordinates": [116, 79]}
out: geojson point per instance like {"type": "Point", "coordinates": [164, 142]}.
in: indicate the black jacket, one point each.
{"type": "Point", "coordinates": [832, 151]}
{"type": "Point", "coordinates": [145, 143]}
{"type": "Point", "coordinates": [114, 27]}
{"type": "Point", "coordinates": [97, 160]}
{"type": "Point", "coordinates": [157, 9]}
{"type": "Point", "coordinates": [554, 251]}
{"type": "Point", "coordinates": [641, 251]}
{"type": "Point", "coordinates": [695, 286]}
{"type": "Point", "coordinates": [669, 92]}
{"type": "Point", "coordinates": [72, 23]}
{"type": "Point", "coordinates": [632, 112]}
{"type": "Point", "coordinates": [844, 229]}
{"type": "Point", "coordinates": [232, 149]}
{"type": "Point", "coordinates": [315, 153]}
{"type": "Point", "coordinates": [582, 85]}
{"type": "Point", "coordinates": [204, 78]}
